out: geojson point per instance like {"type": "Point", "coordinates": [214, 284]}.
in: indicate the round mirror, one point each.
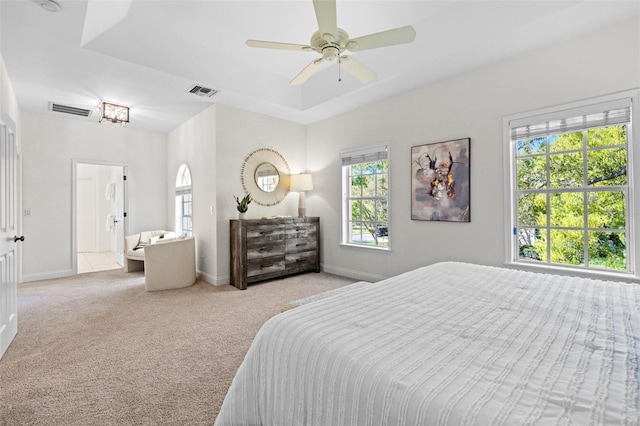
{"type": "Point", "coordinates": [264, 175]}
{"type": "Point", "coordinates": [267, 177]}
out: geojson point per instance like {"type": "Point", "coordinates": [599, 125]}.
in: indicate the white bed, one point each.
{"type": "Point", "coordinates": [448, 344]}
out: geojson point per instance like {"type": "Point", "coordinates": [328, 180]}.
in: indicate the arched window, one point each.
{"type": "Point", "coordinates": [184, 222]}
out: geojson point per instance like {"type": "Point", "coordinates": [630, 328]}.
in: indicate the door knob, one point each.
{"type": "Point", "coordinates": [16, 238]}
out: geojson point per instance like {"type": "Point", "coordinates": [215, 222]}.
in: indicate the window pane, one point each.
{"type": "Point", "coordinates": [531, 146]}
{"type": "Point", "coordinates": [565, 170]}
{"type": "Point", "coordinates": [607, 167]}
{"type": "Point", "coordinates": [607, 136]}
{"type": "Point", "coordinates": [368, 183]}
{"type": "Point", "coordinates": [382, 184]}
{"type": "Point", "coordinates": [368, 210]}
{"type": "Point", "coordinates": [355, 206]}
{"type": "Point", "coordinates": [381, 210]}
{"type": "Point", "coordinates": [567, 209]}
{"type": "Point", "coordinates": [532, 244]}
{"type": "Point", "coordinates": [532, 173]}
{"type": "Point", "coordinates": [567, 247]}
{"type": "Point", "coordinates": [608, 250]}
{"type": "Point", "coordinates": [356, 186]}
{"type": "Point", "coordinates": [607, 209]}
{"type": "Point", "coordinates": [532, 210]}
{"type": "Point", "coordinates": [565, 142]}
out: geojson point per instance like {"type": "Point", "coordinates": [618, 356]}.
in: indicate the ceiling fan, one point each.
{"type": "Point", "coordinates": [331, 41]}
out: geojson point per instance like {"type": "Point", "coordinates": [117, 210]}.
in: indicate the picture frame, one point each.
{"type": "Point", "coordinates": [440, 181]}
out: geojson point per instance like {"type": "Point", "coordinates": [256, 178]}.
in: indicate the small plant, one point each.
{"type": "Point", "coordinates": [243, 205]}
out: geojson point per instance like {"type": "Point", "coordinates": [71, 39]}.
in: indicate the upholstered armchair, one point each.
{"type": "Point", "coordinates": [135, 244]}
{"type": "Point", "coordinates": [170, 264]}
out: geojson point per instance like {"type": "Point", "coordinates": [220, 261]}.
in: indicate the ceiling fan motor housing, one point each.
{"type": "Point", "coordinates": [328, 45]}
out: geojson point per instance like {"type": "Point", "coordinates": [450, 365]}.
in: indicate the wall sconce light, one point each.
{"type": "Point", "coordinates": [301, 183]}
{"type": "Point", "coordinates": [114, 113]}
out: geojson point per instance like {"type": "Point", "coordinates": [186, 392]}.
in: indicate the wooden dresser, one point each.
{"type": "Point", "coordinates": [270, 248]}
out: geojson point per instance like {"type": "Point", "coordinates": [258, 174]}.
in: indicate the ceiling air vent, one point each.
{"type": "Point", "coordinates": [202, 91]}
{"type": "Point", "coordinates": [69, 110]}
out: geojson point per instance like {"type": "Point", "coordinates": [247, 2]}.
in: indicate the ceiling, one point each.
{"type": "Point", "coordinates": [146, 54]}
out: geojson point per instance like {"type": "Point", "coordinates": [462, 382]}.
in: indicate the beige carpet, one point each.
{"type": "Point", "coordinates": [97, 349]}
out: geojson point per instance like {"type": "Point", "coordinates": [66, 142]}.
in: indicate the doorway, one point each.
{"type": "Point", "coordinates": [99, 217]}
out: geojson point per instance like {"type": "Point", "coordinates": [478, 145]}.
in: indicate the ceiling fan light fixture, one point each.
{"type": "Point", "coordinates": [330, 53]}
{"type": "Point", "coordinates": [116, 114]}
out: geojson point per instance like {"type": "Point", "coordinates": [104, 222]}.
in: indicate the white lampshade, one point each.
{"type": "Point", "coordinates": [301, 182]}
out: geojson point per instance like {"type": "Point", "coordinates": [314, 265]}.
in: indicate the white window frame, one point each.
{"type": "Point", "coordinates": [183, 188]}
{"type": "Point", "coordinates": [630, 97]}
{"type": "Point", "coordinates": [358, 155]}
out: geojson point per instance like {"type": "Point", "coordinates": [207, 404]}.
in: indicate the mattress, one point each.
{"type": "Point", "coordinates": [448, 344]}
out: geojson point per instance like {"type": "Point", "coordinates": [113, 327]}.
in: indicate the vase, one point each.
{"type": "Point", "coordinates": [241, 215]}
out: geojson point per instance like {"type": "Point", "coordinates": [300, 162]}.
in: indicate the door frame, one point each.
{"type": "Point", "coordinates": [74, 195]}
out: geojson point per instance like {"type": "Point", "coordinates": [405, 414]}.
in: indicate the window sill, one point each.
{"type": "Point", "coordinates": [583, 273]}
{"type": "Point", "coordinates": [367, 248]}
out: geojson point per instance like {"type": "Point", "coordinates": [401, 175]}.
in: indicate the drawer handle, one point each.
{"type": "Point", "coordinates": [266, 266]}
{"type": "Point", "coordinates": [301, 244]}
{"type": "Point", "coordinates": [299, 260]}
{"type": "Point", "coordinates": [266, 232]}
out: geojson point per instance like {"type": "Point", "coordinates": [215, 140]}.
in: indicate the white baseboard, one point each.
{"type": "Point", "coordinates": [213, 280]}
{"type": "Point", "coordinates": [351, 273]}
{"type": "Point", "coordinates": [26, 278]}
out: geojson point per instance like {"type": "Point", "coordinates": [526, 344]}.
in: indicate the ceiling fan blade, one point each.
{"type": "Point", "coordinates": [356, 69]}
{"type": "Point", "coordinates": [326, 17]}
{"type": "Point", "coordinates": [276, 45]}
{"type": "Point", "coordinates": [383, 39]}
{"type": "Point", "coordinates": [307, 72]}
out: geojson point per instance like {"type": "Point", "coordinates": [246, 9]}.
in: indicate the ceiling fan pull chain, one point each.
{"type": "Point", "coordinates": [339, 68]}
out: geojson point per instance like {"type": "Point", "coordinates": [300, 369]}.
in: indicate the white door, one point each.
{"type": "Point", "coordinates": [8, 237]}
{"type": "Point", "coordinates": [120, 216]}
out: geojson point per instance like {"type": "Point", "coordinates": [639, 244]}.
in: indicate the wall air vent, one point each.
{"type": "Point", "coordinates": [202, 91]}
{"type": "Point", "coordinates": [83, 112]}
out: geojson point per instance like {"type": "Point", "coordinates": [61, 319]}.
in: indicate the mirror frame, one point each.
{"type": "Point", "coordinates": [247, 176]}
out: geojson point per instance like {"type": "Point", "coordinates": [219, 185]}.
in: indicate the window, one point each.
{"type": "Point", "coordinates": [365, 197]}
{"type": "Point", "coordinates": [184, 222]}
{"type": "Point", "coordinates": [570, 192]}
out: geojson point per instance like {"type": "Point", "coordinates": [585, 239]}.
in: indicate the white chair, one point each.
{"type": "Point", "coordinates": [134, 248]}
{"type": "Point", "coordinates": [170, 264]}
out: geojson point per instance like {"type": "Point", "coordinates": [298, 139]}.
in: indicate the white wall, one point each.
{"type": "Point", "coordinates": [469, 105]}
{"type": "Point", "coordinates": [214, 144]}
{"type": "Point", "coordinates": [50, 144]}
{"type": "Point", "coordinates": [194, 143]}
{"type": "Point", "coordinates": [238, 134]}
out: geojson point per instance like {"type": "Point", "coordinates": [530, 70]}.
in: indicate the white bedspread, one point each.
{"type": "Point", "coordinates": [448, 344]}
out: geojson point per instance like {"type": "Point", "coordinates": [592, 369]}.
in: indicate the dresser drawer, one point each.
{"type": "Point", "coordinates": [302, 261]}
{"type": "Point", "coordinates": [265, 266]}
{"type": "Point", "coordinates": [265, 232]}
{"type": "Point", "coordinates": [296, 245]}
{"type": "Point", "coordinates": [301, 230]}
{"type": "Point", "coordinates": [259, 248]}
